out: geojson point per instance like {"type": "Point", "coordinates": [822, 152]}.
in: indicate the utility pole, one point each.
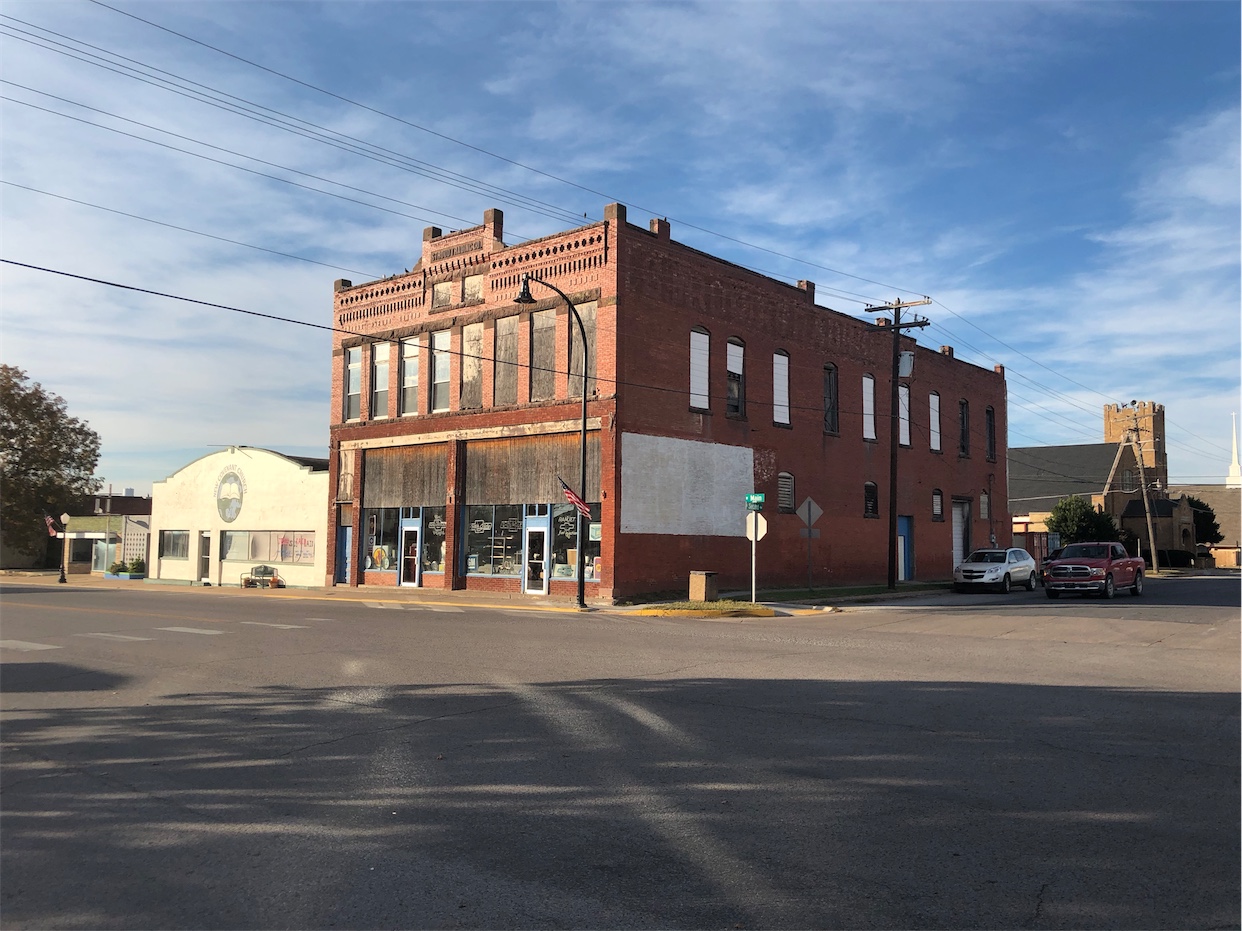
{"type": "Point", "coordinates": [896, 326]}
{"type": "Point", "coordinates": [1137, 445]}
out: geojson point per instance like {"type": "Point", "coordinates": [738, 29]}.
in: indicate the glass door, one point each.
{"type": "Point", "coordinates": [409, 556]}
{"type": "Point", "coordinates": [204, 557]}
{"type": "Point", "coordinates": [536, 576]}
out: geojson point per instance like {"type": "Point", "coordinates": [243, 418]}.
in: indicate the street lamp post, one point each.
{"type": "Point", "coordinates": [64, 546]}
{"type": "Point", "coordinates": [525, 298]}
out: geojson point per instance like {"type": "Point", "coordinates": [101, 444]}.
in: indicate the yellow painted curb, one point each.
{"type": "Point", "coordinates": [704, 612]}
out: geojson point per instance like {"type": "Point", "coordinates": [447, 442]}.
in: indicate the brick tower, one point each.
{"type": "Point", "coordinates": [1148, 418]}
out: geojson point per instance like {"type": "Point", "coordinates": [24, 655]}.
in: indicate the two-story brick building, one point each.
{"type": "Point", "coordinates": [455, 410]}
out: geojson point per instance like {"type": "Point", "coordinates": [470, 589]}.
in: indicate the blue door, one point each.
{"type": "Point", "coordinates": [344, 543]}
{"type": "Point", "coordinates": [905, 547]}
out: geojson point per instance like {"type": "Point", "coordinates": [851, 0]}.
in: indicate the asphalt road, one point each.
{"type": "Point", "coordinates": [215, 759]}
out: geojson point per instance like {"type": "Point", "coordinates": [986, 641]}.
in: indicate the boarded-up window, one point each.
{"type": "Point", "coordinates": [471, 366]}
{"type": "Point", "coordinates": [989, 419]}
{"type": "Point", "coordinates": [700, 356]}
{"type": "Point", "coordinates": [871, 500]}
{"type": "Point", "coordinates": [506, 361]}
{"type": "Point", "coordinates": [524, 470]}
{"type": "Point", "coordinates": [785, 493]}
{"type": "Point", "coordinates": [933, 427]}
{"type": "Point", "coordinates": [405, 476]}
{"type": "Point", "coordinates": [542, 355]}
{"type": "Point", "coordinates": [442, 293]}
{"type": "Point", "coordinates": [587, 313]}
{"type": "Point", "coordinates": [780, 387]}
{"type": "Point", "coordinates": [474, 287]}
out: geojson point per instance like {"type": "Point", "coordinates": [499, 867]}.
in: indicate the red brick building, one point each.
{"type": "Point", "coordinates": [455, 409]}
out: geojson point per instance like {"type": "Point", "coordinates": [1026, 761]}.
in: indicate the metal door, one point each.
{"type": "Point", "coordinates": [961, 532]}
{"type": "Point", "coordinates": [344, 544]}
{"type": "Point", "coordinates": [905, 547]}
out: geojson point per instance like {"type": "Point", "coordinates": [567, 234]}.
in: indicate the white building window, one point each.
{"type": "Point", "coordinates": [442, 294]}
{"type": "Point", "coordinates": [379, 380]}
{"type": "Point", "coordinates": [868, 407]}
{"type": "Point", "coordinates": [903, 408]}
{"type": "Point", "coordinates": [700, 356]}
{"type": "Point", "coordinates": [409, 376]}
{"type": "Point", "coordinates": [440, 370]}
{"type": "Point", "coordinates": [780, 387]}
{"type": "Point", "coordinates": [933, 420]}
{"type": "Point", "coordinates": [353, 383]}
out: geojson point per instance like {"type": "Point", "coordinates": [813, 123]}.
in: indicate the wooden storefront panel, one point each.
{"type": "Point", "coordinates": [406, 476]}
{"type": "Point", "coordinates": [524, 470]}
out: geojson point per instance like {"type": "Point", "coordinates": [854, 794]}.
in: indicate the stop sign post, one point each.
{"type": "Point", "coordinates": [756, 529]}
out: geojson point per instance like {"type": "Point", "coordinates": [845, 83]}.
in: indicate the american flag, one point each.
{"type": "Point", "coordinates": [51, 525]}
{"type": "Point", "coordinates": [575, 499]}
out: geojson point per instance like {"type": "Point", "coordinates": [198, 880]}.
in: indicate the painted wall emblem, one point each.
{"type": "Point", "coordinates": [229, 489]}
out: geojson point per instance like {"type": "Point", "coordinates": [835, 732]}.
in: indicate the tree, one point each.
{"type": "Point", "coordinates": [47, 459]}
{"type": "Point", "coordinates": [1207, 530]}
{"type": "Point", "coordinates": [1076, 520]}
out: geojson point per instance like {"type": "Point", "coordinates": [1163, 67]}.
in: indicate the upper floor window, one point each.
{"type": "Point", "coordinates": [903, 407]}
{"type": "Point", "coordinates": [471, 367]}
{"type": "Point", "coordinates": [474, 287]}
{"type": "Point", "coordinates": [409, 376]}
{"type": "Point", "coordinates": [933, 424]}
{"type": "Point", "coordinates": [989, 419]}
{"type": "Point", "coordinates": [542, 355]}
{"type": "Point", "coordinates": [871, 500]}
{"type": "Point", "coordinates": [700, 356]}
{"type": "Point", "coordinates": [963, 418]}
{"type": "Point", "coordinates": [985, 506]}
{"type": "Point", "coordinates": [353, 383]}
{"type": "Point", "coordinates": [780, 387]}
{"type": "Point", "coordinates": [1127, 480]}
{"type": "Point", "coordinates": [504, 379]}
{"type": "Point", "coordinates": [442, 294]}
{"type": "Point", "coordinates": [868, 407]}
{"type": "Point", "coordinates": [440, 357]}
{"type": "Point", "coordinates": [586, 313]}
{"type": "Point", "coordinates": [735, 395]}
{"type": "Point", "coordinates": [379, 380]}
{"type": "Point", "coordinates": [785, 493]}
{"type": "Point", "coordinates": [937, 504]}
{"type": "Point", "coordinates": [832, 406]}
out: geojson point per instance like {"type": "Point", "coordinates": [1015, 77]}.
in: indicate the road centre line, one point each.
{"type": "Point", "coordinates": [280, 626]}
{"type": "Point", "coordinates": [113, 636]}
{"type": "Point", "coordinates": [24, 646]}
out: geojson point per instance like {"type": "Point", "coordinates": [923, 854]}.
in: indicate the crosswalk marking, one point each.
{"type": "Point", "coordinates": [24, 646]}
{"type": "Point", "coordinates": [113, 636]}
{"type": "Point", "coordinates": [280, 626]}
{"type": "Point", "coordinates": [191, 630]}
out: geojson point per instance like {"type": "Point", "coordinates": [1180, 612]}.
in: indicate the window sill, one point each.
{"type": "Point", "coordinates": [782, 426]}
{"type": "Point", "coordinates": [871, 516]}
{"type": "Point", "coordinates": [701, 410]}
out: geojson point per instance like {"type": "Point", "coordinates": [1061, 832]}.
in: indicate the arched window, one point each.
{"type": "Point", "coordinates": [700, 358]}
{"type": "Point", "coordinates": [933, 420]}
{"type": "Point", "coordinates": [937, 504]}
{"type": "Point", "coordinates": [903, 409]}
{"type": "Point", "coordinates": [785, 493]}
{"type": "Point", "coordinates": [832, 405]}
{"type": "Point", "coordinates": [871, 500]}
{"type": "Point", "coordinates": [989, 417]}
{"type": "Point", "coordinates": [868, 407]}
{"type": "Point", "coordinates": [735, 367]}
{"type": "Point", "coordinates": [963, 423]}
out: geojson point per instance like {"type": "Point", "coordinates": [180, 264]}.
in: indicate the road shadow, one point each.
{"type": "Point", "coordinates": [695, 803]}
{"type": "Point", "coordinates": [56, 677]}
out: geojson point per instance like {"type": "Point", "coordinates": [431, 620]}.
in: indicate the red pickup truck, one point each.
{"type": "Point", "coordinates": [1094, 568]}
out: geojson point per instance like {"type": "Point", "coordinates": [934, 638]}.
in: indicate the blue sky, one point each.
{"type": "Point", "coordinates": [1063, 180]}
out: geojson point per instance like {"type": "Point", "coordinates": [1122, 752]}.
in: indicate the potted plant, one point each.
{"type": "Point", "coordinates": [135, 569]}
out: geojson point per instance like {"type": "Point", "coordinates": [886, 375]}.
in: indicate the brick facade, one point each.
{"type": "Point", "coordinates": [648, 292]}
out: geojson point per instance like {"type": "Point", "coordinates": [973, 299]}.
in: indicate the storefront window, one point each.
{"type": "Point", "coordinates": [494, 539]}
{"type": "Point", "coordinates": [288, 546]}
{"type": "Point", "coordinates": [565, 541]}
{"type": "Point", "coordinates": [434, 527]}
{"type": "Point", "coordinates": [382, 540]}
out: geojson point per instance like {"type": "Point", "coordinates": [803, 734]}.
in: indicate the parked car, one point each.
{"type": "Point", "coordinates": [1043, 568]}
{"type": "Point", "coordinates": [1094, 569]}
{"type": "Point", "coordinates": [996, 568]}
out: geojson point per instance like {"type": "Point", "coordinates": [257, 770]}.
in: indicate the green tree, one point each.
{"type": "Point", "coordinates": [1207, 530]}
{"type": "Point", "coordinates": [47, 458]}
{"type": "Point", "coordinates": [1076, 520]}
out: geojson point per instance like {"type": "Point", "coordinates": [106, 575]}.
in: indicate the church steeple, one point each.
{"type": "Point", "coordinates": [1235, 471]}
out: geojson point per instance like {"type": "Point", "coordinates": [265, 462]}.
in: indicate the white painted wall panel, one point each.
{"type": "Point", "coordinates": [671, 486]}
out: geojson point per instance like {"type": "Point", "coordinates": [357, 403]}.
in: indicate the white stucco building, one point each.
{"type": "Point", "coordinates": [217, 518]}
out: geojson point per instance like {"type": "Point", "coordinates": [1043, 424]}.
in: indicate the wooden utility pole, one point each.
{"type": "Point", "coordinates": [897, 326]}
